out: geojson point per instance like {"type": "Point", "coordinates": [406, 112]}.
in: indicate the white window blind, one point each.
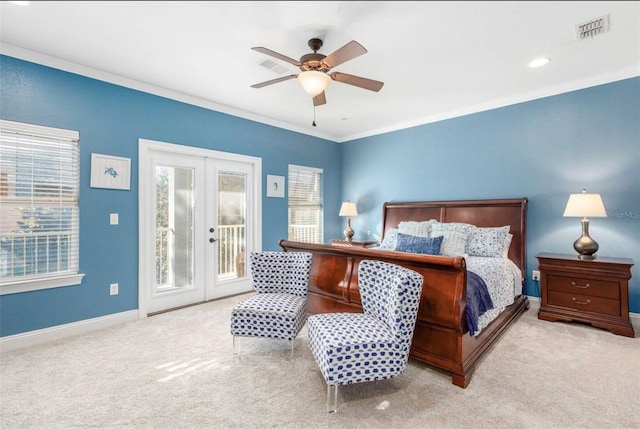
{"type": "Point", "coordinates": [39, 177]}
{"type": "Point", "coordinates": [305, 204]}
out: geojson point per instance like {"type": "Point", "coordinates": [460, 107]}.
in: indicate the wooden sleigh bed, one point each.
{"type": "Point", "coordinates": [441, 337]}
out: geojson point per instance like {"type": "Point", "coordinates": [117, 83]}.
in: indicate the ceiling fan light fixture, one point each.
{"type": "Point", "coordinates": [314, 82]}
{"type": "Point", "coordinates": [539, 62]}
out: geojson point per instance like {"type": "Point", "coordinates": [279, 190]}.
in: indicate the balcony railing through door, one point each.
{"type": "Point", "coordinates": [231, 258]}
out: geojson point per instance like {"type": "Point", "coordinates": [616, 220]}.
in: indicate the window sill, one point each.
{"type": "Point", "coordinates": [38, 284]}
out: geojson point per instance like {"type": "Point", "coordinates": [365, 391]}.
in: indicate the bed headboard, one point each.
{"type": "Point", "coordinates": [483, 213]}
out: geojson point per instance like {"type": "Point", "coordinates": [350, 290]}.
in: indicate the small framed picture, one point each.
{"type": "Point", "coordinates": [275, 186]}
{"type": "Point", "coordinates": [111, 172]}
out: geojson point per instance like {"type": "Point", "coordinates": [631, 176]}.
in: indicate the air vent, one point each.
{"type": "Point", "coordinates": [273, 66]}
{"type": "Point", "coordinates": [592, 28]}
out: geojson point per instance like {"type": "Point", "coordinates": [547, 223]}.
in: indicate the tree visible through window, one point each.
{"type": "Point", "coordinates": [39, 171]}
{"type": "Point", "coordinates": [305, 204]}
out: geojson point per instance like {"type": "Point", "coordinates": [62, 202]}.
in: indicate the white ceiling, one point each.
{"type": "Point", "coordinates": [437, 59]}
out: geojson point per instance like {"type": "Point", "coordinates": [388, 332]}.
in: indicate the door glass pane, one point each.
{"type": "Point", "coordinates": [232, 215]}
{"type": "Point", "coordinates": [174, 228]}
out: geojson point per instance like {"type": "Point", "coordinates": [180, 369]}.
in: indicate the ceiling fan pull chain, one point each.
{"type": "Point", "coordinates": [314, 116]}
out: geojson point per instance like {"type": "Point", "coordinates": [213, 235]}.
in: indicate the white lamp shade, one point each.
{"type": "Point", "coordinates": [585, 205]}
{"type": "Point", "coordinates": [314, 82]}
{"type": "Point", "coordinates": [348, 209]}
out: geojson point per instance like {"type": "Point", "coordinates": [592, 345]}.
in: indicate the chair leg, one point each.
{"type": "Point", "coordinates": [292, 343]}
{"type": "Point", "coordinates": [236, 344]}
{"type": "Point", "coordinates": [332, 398]}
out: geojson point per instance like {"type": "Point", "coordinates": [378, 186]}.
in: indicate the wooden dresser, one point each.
{"type": "Point", "coordinates": [592, 291]}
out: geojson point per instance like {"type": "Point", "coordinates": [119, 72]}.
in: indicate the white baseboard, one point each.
{"type": "Point", "coordinates": [18, 341]}
{"type": "Point", "coordinates": [634, 318]}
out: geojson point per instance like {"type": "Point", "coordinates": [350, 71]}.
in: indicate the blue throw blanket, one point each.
{"type": "Point", "coordinates": [478, 300]}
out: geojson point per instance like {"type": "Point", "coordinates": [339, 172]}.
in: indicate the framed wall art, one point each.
{"type": "Point", "coordinates": [275, 186]}
{"type": "Point", "coordinates": [111, 172]}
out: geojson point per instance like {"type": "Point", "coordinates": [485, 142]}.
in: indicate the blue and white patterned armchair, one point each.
{"type": "Point", "coordinates": [279, 307]}
{"type": "Point", "coordinates": [374, 345]}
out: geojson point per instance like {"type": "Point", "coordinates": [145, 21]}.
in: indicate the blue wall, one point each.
{"type": "Point", "coordinates": [110, 120]}
{"type": "Point", "coordinates": [543, 150]}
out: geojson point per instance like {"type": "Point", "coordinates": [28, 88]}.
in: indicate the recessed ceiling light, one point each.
{"type": "Point", "coordinates": [538, 62]}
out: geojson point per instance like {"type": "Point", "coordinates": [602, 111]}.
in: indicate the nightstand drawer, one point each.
{"type": "Point", "coordinates": [582, 286]}
{"type": "Point", "coordinates": [593, 304]}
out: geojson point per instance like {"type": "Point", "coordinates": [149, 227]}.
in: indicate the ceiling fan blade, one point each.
{"type": "Point", "coordinates": [362, 82]}
{"type": "Point", "coordinates": [271, 82]}
{"type": "Point", "coordinates": [348, 52]}
{"type": "Point", "coordinates": [277, 55]}
{"type": "Point", "coordinates": [319, 99]}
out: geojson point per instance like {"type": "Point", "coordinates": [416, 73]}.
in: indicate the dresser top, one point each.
{"type": "Point", "coordinates": [574, 257]}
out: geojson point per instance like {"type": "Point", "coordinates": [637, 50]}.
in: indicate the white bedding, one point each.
{"type": "Point", "coordinates": [504, 282]}
{"type": "Point", "coordinates": [503, 279]}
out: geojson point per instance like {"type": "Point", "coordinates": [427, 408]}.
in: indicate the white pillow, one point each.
{"type": "Point", "coordinates": [489, 242]}
{"type": "Point", "coordinates": [454, 243]}
{"type": "Point", "coordinates": [507, 244]}
{"type": "Point", "coordinates": [416, 228]}
{"type": "Point", "coordinates": [438, 228]}
{"type": "Point", "coordinates": [389, 240]}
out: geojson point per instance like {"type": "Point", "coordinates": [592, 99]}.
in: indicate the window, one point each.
{"type": "Point", "coordinates": [305, 204]}
{"type": "Point", "coordinates": [39, 171]}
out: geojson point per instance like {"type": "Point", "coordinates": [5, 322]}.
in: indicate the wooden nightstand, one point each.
{"type": "Point", "coordinates": [353, 243]}
{"type": "Point", "coordinates": [590, 291]}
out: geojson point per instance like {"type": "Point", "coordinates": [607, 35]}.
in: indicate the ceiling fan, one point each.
{"type": "Point", "coordinates": [314, 67]}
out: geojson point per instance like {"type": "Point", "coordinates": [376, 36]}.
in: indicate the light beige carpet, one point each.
{"type": "Point", "coordinates": [177, 370]}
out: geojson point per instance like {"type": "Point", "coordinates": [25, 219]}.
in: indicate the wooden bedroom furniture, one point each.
{"type": "Point", "coordinates": [354, 243]}
{"type": "Point", "coordinates": [441, 336]}
{"type": "Point", "coordinates": [594, 291]}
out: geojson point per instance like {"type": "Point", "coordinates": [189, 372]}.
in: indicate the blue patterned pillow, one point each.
{"type": "Point", "coordinates": [490, 242]}
{"type": "Point", "coordinates": [413, 244]}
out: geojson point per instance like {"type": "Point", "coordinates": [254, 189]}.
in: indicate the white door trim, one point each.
{"type": "Point", "coordinates": [145, 211]}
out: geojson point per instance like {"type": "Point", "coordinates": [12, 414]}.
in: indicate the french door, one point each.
{"type": "Point", "coordinates": [200, 217]}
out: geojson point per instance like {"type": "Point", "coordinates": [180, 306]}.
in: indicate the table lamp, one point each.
{"type": "Point", "coordinates": [349, 210]}
{"type": "Point", "coordinates": [585, 205]}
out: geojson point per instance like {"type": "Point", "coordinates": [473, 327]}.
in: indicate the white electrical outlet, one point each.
{"type": "Point", "coordinates": [535, 275]}
{"type": "Point", "coordinates": [113, 289]}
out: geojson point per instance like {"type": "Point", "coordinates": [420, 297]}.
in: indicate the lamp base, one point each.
{"type": "Point", "coordinates": [587, 257]}
{"type": "Point", "coordinates": [348, 232]}
{"type": "Point", "coordinates": [585, 245]}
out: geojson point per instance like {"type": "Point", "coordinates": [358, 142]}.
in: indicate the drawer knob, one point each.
{"type": "Point", "coordinates": [581, 302]}
{"type": "Point", "coordinates": [586, 285]}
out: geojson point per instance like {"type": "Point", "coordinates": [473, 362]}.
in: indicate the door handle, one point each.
{"type": "Point", "coordinates": [213, 240]}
